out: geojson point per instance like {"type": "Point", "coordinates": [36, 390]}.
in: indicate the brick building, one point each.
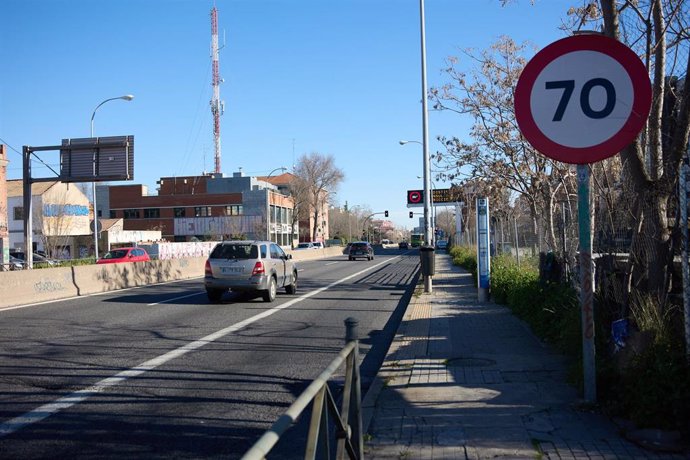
{"type": "Point", "coordinates": [205, 207]}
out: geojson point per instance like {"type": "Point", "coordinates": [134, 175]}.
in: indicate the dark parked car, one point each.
{"type": "Point", "coordinates": [14, 264]}
{"type": "Point", "coordinates": [258, 266]}
{"type": "Point", "coordinates": [361, 249]}
{"type": "Point", "coordinates": [403, 245]}
{"type": "Point", "coordinates": [39, 260]}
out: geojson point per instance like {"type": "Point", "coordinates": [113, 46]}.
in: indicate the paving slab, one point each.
{"type": "Point", "coordinates": [465, 379]}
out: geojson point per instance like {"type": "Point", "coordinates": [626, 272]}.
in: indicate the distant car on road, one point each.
{"type": "Point", "coordinates": [306, 246]}
{"type": "Point", "coordinates": [361, 249]}
{"type": "Point", "coordinates": [317, 244]}
{"type": "Point", "coordinates": [122, 255]}
{"type": "Point", "coordinates": [403, 245]}
{"type": "Point", "coordinates": [258, 266]}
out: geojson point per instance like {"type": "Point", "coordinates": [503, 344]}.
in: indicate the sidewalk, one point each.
{"type": "Point", "coordinates": [468, 380]}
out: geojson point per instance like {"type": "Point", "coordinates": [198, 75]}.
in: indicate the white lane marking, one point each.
{"type": "Point", "coordinates": [331, 263]}
{"type": "Point", "coordinates": [45, 302]}
{"type": "Point", "coordinates": [76, 397]}
{"type": "Point", "coordinates": [174, 299]}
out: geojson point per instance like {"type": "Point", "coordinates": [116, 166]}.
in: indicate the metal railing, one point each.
{"type": "Point", "coordinates": [348, 421]}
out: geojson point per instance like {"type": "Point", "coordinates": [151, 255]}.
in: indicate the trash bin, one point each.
{"type": "Point", "coordinates": [426, 255]}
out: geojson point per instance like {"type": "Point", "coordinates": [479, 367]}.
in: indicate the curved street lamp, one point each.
{"type": "Point", "coordinates": [281, 168]}
{"type": "Point", "coordinates": [126, 97]}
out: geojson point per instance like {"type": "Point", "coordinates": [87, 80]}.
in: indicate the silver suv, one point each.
{"type": "Point", "coordinates": [260, 266]}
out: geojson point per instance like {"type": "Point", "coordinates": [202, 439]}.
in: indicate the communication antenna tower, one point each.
{"type": "Point", "coordinates": [217, 106]}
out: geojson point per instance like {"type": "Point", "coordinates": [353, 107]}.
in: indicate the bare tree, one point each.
{"type": "Point", "coordinates": [54, 223]}
{"type": "Point", "coordinates": [338, 222]}
{"type": "Point", "coordinates": [316, 175]}
{"type": "Point", "coordinates": [498, 156]}
{"type": "Point", "coordinates": [657, 30]}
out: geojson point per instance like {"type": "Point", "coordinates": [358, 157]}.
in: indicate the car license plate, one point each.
{"type": "Point", "coordinates": [231, 269]}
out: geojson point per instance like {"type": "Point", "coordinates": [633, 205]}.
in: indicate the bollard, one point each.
{"type": "Point", "coordinates": [351, 329]}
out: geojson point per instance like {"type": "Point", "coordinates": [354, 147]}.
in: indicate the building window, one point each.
{"type": "Point", "coordinates": [131, 214]}
{"type": "Point", "coordinates": [152, 213]}
{"type": "Point", "coordinates": [179, 212]}
{"type": "Point", "coordinates": [19, 213]}
{"type": "Point", "coordinates": [233, 210]}
{"type": "Point", "coordinates": [113, 214]}
{"type": "Point", "coordinates": [202, 211]}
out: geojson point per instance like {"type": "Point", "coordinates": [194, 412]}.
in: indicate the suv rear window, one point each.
{"type": "Point", "coordinates": [235, 251]}
{"type": "Point", "coordinates": [359, 245]}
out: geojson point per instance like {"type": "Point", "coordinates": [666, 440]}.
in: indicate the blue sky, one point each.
{"type": "Point", "coordinates": [338, 77]}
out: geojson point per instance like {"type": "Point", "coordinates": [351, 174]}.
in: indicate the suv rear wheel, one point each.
{"type": "Point", "coordinates": [214, 295]}
{"type": "Point", "coordinates": [292, 288]}
{"type": "Point", "coordinates": [269, 295]}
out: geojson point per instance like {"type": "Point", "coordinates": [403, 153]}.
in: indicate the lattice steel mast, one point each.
{"type": "Point", "coordinates": [217, 106]}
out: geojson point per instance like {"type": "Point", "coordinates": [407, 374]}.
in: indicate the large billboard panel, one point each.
{"type": "Point", "coordinates": [97, 159]}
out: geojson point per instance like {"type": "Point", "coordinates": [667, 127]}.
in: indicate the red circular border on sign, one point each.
{"type": "Point", "coordinates": [642, 102]}
{"type": "Point", "coordinates": [412, 194]}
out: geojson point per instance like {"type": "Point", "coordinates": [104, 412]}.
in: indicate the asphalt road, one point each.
{"type": "Point", "coordinates": [159, 372]}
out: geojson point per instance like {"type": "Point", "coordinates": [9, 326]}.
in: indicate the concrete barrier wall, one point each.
{"type": "Point", "coordinates": [31, 286]}
{"type": "Point", "coordinates": [311, 254]}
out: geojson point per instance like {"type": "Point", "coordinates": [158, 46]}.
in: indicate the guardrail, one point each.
{"type": "Point", "coordinates": [348, 422]}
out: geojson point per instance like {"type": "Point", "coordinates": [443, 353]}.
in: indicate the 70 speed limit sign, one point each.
{"type": "Point", "coordinates": [583, 99]}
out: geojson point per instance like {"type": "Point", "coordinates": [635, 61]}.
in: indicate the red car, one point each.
{"type": "Point", "coordinates": [124, 255]}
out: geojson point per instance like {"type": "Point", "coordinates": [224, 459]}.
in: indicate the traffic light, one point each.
{"type": "Point", "coordinates": [411, 214]}
{"type": "Point", "coordinates": [386, 213]}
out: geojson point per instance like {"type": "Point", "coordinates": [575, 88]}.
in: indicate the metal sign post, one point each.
{"type": "Point", "coordinates": [581, 100]}
{"type": "Point", "coordinates": [586, 285]}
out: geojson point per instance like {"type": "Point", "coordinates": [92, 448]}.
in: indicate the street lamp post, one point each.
{"type": "Point", "coordinates": [425, 128]}
{"type": "Point", "coordinates": [126, 97]}
{"type": "Point", "coordinates": [434, 224]}
{"type": "Point", "coordinates": [425, 148]}
{"type": "Point", "coordinates": [428, 190]}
